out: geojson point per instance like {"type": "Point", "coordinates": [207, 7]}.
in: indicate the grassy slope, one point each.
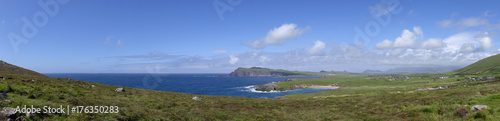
{"type": "Point", "coordinates": [363, 98]}
{"type": "Point", "coordinates": [489, 65]}
{"type": "Point", "coordinates": [9, 69]}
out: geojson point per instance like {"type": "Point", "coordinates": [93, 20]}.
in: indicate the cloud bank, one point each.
{"type": "Point", "coordinates": [410, 49]}
{"type": "Point", "coordinates": [469, 22]}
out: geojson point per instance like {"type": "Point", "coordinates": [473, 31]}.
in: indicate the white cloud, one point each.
{"type": "Point", "coordinates": [445, 23]}
{"type": "Point", "coordinates": [411, 13]}
{"type": "Point", "coordinates": [465, 41]}
{"type": "Point", "coordinates": [469, 22]}
{"type": "Point", "coordinates": [219, 51]}
{"type": "Point", "coordinates": [488, 14]}
{"type": "Point", "coordinates": [418, 32]}
{"type": "Point", "coordinates": [318, 48]}
{"type": "Point", "coordinates": [408, 38]}
{"type": "Point", "coordinates": [432, 43]}
{"type": "Point", "coordinates": [484, 39]}
{"type": "Point", "coordinates": [110, 42]}
{"type": "Point", "coordinates": [472, 22]}
{"type": "Point", "coordinates": [455, 42]}
{"type": "Point", "coordinates": [277, 36]}
{"type": "Point", "coordinates": [264, 59]}
{"type": "Point", "coordinates": [467, 48]}
{"type": "Point", "coordinates": [119, 43]}
{"type": "Point", "coordinates": [233, 59]}
{"type": "Point", "coordinates": [254, 54]}
{"type": "Point", "coordinates": [384, 44]}
{"type": "Point", "coordinates": [108, 39]}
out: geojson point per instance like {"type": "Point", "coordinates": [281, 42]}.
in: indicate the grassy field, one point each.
{"type": "Point", "coordinates": [361, 97]}
{"type": "Point", "coordinates": [369, 84]}
{"type": "Point", "coordinates": [372, 97]}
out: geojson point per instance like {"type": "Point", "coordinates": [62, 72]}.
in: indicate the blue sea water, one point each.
{"type": "Point", "coordinates": [204, 84]}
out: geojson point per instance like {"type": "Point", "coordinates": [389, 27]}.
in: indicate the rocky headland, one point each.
{"type": "Point", "coordinates": [263, 72]}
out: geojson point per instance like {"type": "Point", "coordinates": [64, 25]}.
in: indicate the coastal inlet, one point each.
{"type": "Point", "coordinates": [204, 84]}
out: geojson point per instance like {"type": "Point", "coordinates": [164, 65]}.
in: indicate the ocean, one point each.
{"type": "Point", "coordinates": [203, 84]}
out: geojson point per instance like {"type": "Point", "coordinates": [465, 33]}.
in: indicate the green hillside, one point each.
{"type": "Point", "coordinates": [9, 69]}
{"type": "Point", "coordinates": [489, 65]}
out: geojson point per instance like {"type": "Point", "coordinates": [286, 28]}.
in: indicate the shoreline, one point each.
{"type": "Point", "coordinates": [272, 87]}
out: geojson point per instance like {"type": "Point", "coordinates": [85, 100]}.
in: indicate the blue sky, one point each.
{"type": "Point", "coordinates": [217, 36]}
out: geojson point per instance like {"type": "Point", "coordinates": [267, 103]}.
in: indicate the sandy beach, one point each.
{"type": "Point", "coordinates": [323, 87]}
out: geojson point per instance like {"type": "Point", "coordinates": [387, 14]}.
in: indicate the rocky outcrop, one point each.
{"type": "Point", "coordinates": [274, 87]}
{"type": "Point", "coordinates": [3, 97]}
{"type": "Point", "coordinates": [268, 87]}
{"type": "Point", "coordinates": [8, 111]}
{"type": "Point", "coordinates": [30, 116]}
{"type": "Point", "coordinates": [120, 90]}
{"type": "Point", "coordinates": [478, 107]}
{"type": "Point", "coordinates": [197, 98]}
{"type": "Point", "coordinates": [7, 101]}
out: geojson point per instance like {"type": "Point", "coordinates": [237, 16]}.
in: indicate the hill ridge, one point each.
{"type": "Point", "coordinates": [488, 65]}
{"type": "Point", "coordinates": [7, 68]}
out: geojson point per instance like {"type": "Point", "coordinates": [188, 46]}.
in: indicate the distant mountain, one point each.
{"type": "Point", "coordinates": [372, 72]}
{"type": "Point", "coordinates": [489, 65]}
{"type": "Point", "coordinates": [414, 70]}
{"type": "Point", "coordinates": [258, 71]}
{"type": "Point", "coordinates": [6, 68]}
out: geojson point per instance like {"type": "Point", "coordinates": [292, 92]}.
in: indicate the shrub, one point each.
{"type": "Point", "coordinates": [462, 112]}
{"type": "Point", "coordinates": [481, 115]}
